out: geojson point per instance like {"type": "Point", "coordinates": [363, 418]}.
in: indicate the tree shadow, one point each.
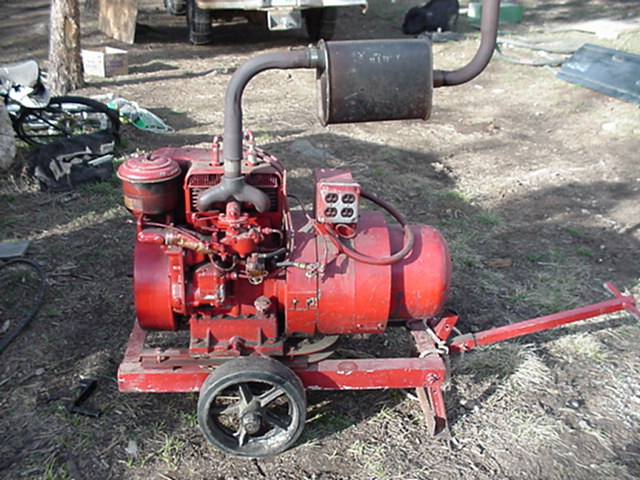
{"type": "Point", "coordinates": [576, 11]}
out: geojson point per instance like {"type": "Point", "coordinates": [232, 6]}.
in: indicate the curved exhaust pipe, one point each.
{"type": "Point", "coordinates": [488, 35]}
{"type": "Point", "coordinates": [233, 184]}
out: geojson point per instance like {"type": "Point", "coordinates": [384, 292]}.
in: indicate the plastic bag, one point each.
{"type": "Point", "coordinates": [134, 114]}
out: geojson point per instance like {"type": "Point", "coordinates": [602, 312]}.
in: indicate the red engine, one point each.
{"type": "Point", "coordinates": [244, 281]}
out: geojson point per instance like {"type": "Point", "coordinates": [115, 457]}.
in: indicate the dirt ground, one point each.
{"type": "Point", "coordinates": [534, 182]}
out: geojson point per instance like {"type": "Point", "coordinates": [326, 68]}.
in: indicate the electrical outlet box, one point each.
{"type": "Point", "coordinates": [337, 196]}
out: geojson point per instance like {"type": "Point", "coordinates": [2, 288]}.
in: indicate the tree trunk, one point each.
{"type": "Point", "coordinates": [65, 65]}
{"type": "Point", "coordinates": [7, 142]}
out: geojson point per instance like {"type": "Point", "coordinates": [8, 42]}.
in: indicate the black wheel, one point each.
{"type": "Point", "coordinates": [199, 24]}
{"type": "Point", "coordinates": [252, 407]}
{"type": "Point", "coordinates": [321, 23]}
{"type": "Point", "coordinates": [175, 7]}
{"type": "Point", "coordinates": [64, 117]}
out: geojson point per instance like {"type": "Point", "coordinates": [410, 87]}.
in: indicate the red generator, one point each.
{"type": "Point", "coordinates": [265, 290]}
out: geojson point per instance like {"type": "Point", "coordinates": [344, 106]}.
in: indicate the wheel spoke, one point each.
{"type": "Point", "coordinates": [241, 436]}
{"type": "Point", "coordinates": [276, 421]}
{"type": "Point", "coordinates": [44, 118]}
{"type": "Point", "coordinates": [226, 410]}
{"type": "Point", "coordinates": [267, 397]}
{"type": "Point", "coordinates": [245, 393]}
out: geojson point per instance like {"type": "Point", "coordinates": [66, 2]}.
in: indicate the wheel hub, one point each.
{"type": "Point", "coordinates": [252, 422]}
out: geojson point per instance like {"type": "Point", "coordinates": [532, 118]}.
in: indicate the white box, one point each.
{"type": "Point", "coordinates": [105, 62]}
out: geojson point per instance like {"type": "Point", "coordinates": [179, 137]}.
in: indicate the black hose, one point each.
{"type": "Point", "coordinates": [409, 237]}
{"type": "Point", "coordinates": [11, 336]}
{"type": "Point", "coordinates": [539, 62]}
{"type": "Point", "coordinates": [537, 45]}
{"type": "Point", "coordinates": [275, 253]}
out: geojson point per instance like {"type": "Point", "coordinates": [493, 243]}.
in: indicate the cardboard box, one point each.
{"type": "Point", "coordinates": [105, 62]}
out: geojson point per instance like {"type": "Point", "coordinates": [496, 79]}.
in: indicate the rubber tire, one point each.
{"type": "Point", "coordinates": [321, 23]}
{"type": "Point", "coordinates": [176, 7]}
{"type": "Point", "coordinates": [258, 370]}
{"type": "Point", "coordinates": [110, 118]}
{"type": "Point", "coordinates": [199, 24]}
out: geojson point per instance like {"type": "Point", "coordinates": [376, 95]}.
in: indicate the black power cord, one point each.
{"type": "Point", "coordinates": [39, 299]}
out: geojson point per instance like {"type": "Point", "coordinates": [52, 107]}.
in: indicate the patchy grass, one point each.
{"type": "Point", "coordinates": [490, 219]}
{"type": "Point", "coordinates": [584, 345]}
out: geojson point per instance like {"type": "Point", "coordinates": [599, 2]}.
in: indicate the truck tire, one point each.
{"type": "Point", "coordinates": [321, 23]}
{"type": "Point", "coordinates": [199, 24]}
{"type": "Point", "coordinates": [175, 7]}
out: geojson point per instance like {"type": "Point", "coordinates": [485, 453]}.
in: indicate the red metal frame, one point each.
{"type": "Point", "coordinates": [174, 370]}
{"type": "Point", "coordinates": [468, 341]}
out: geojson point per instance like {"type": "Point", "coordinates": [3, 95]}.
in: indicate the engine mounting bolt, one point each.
{"type": "Point", "coordinates": [262, 304]}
